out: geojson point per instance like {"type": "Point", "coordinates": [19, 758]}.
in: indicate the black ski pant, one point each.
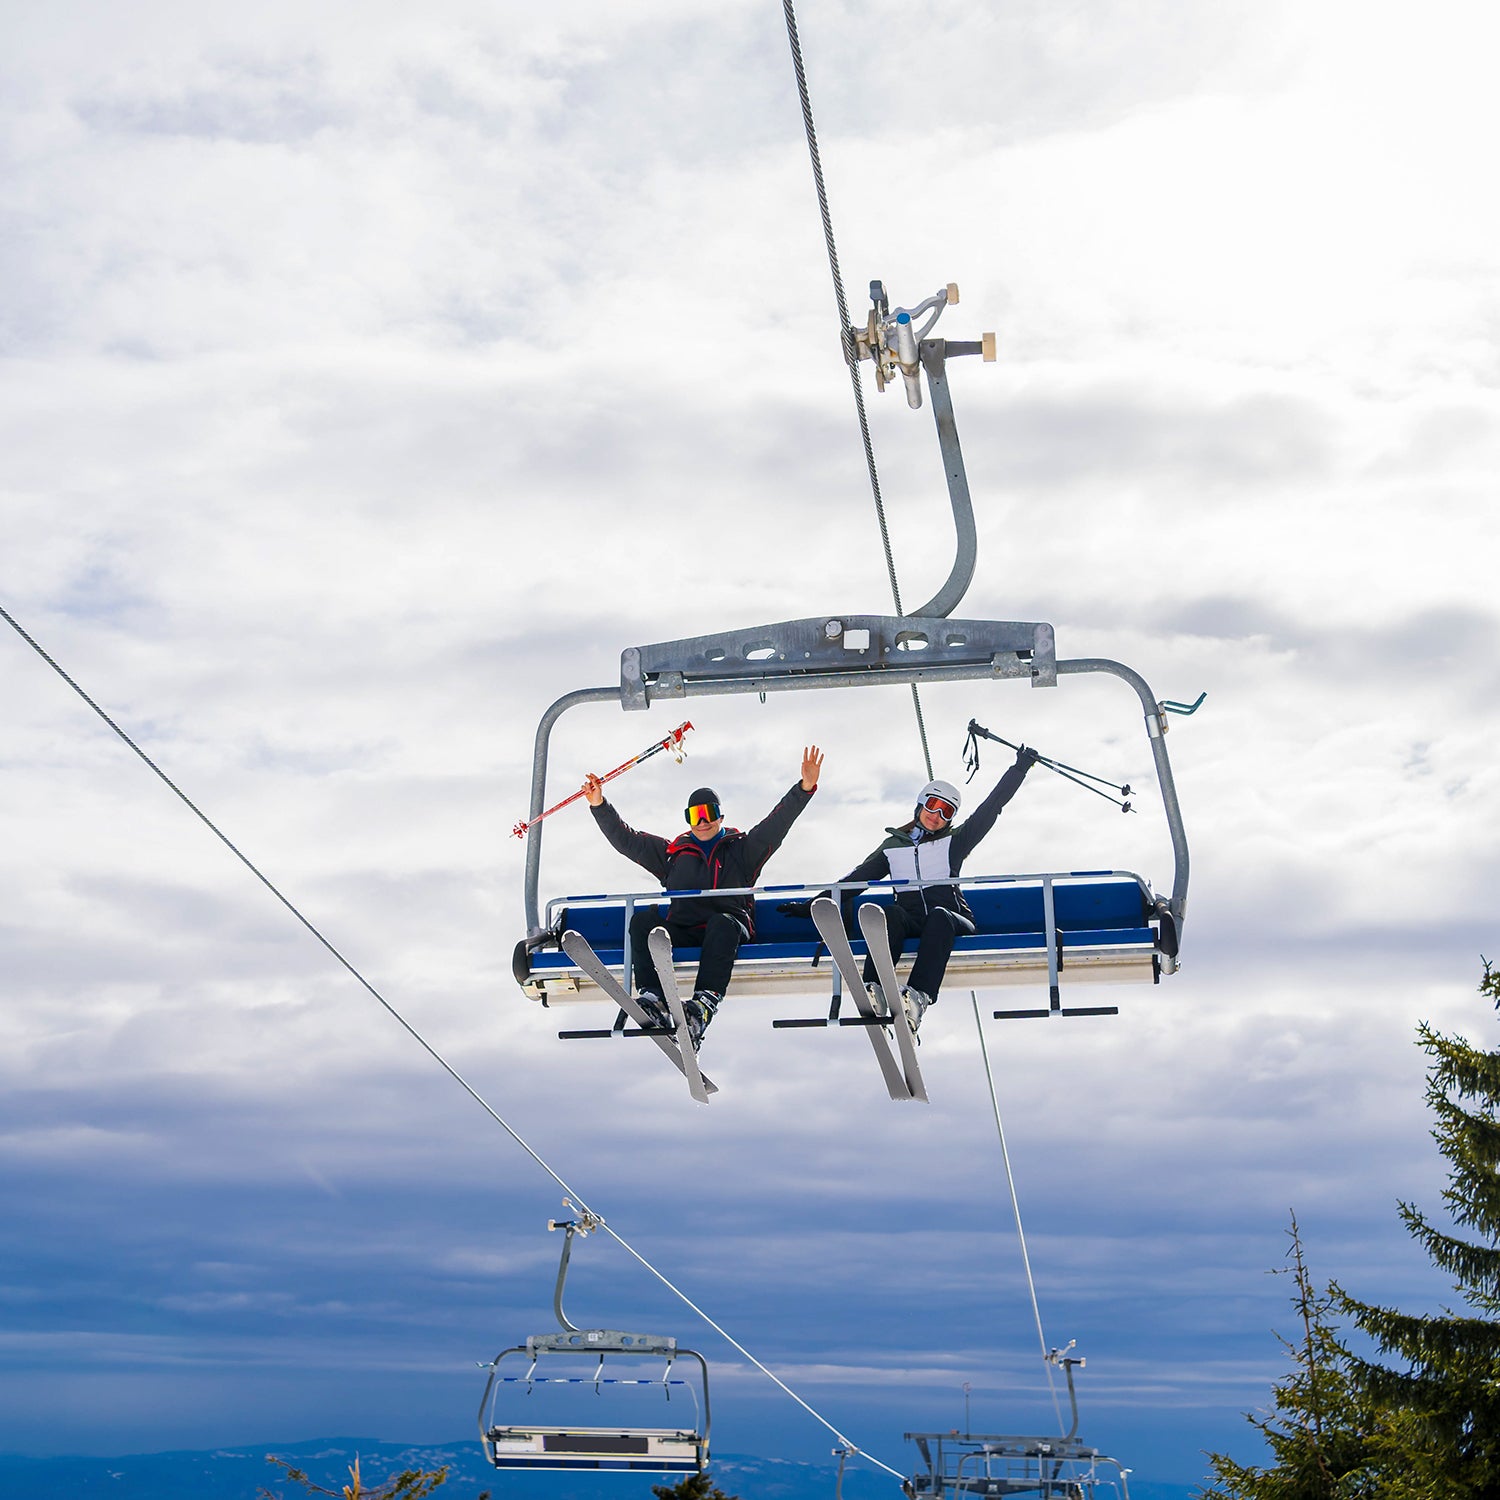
{"type": "Point", "coordinates": [719, 938]}
{"type": "Point", "coordinates": [935, 930]}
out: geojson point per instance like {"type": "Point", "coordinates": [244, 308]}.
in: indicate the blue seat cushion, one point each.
{"type": "Point", "coordinates": [1089, 913]}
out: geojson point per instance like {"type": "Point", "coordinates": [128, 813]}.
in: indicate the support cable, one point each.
{"type": "Point", "coordinates": [846, 337]}
{"type": "Point", "coordinates": [422, 1041]}
{"type": "Point", "coordinates": [1015, 1204]}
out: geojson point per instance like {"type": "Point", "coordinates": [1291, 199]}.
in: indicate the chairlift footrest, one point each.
{"type": "Point", "coordinates": [1061, 1010]}
{"type": "Point", "coordinates": [792, 1022]}
{"type": "Point", "coordinates": [575, 1036]}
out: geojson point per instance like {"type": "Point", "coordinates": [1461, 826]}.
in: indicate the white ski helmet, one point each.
{"type": "Point", "coordinates": [944, 789]}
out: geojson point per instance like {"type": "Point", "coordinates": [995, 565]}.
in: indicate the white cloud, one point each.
{"type": "Point", "coordinates": [370, 380]}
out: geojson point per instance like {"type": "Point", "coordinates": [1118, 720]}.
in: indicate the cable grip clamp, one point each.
{"type": "Point", "coordinates": [890, 338]}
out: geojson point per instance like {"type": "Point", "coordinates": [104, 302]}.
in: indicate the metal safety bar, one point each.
{"type": "Point", "coordinates": [1051, 937]}
{"type": "Point", "coordinates": [603, 898]}
{"type": "Point", "coordinates": [630, 898]}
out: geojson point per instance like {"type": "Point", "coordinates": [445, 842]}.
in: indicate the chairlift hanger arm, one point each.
{"type": "Point", "coordinates": [1066, 1361]}
{"type": "Point", "coordinates": [893, 344]}
{"type": "Point", "coordinates": [934, 358]}
{"type": "Point", "coordinates": [570, 1228]}
{"type": "Point", "coordinates": [562, 1276]}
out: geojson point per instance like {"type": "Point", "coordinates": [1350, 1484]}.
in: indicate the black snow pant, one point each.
{"type": "Point", "coordinates": [719, 938]}
{"type": "Point", "coordinates": [936, 929]}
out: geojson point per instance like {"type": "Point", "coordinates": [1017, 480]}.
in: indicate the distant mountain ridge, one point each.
{"type": "Point", "coordinates": [240, 1473]}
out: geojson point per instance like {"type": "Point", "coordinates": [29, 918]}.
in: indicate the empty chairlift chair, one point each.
{"type": "Point", "coordinates": [581, 1365]}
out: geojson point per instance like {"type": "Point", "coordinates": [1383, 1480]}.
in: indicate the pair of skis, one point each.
{"type": "Point", "coordinates": [903, 1078]}
{"type": "Point", "coordinates": [677, 1045]}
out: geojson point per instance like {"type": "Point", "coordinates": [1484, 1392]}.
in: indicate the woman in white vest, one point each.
{"type": "Point", "coordinates": [931, 847]}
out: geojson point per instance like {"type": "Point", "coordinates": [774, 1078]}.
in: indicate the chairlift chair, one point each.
{"type": "Point", "coordinates": [510, 1443]}
{"type": "Point", "coordinates": [957, 1465]}
{"type": "Point", "coordinates": [1091, 925]}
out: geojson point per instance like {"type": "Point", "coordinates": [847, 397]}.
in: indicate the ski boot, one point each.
{"type": "Point", "coordinates": [916, 1004]}
{"type": "Point", "coordinates": [656, 1009]}
{"type": "Point", "coordinates": [700, 1010]}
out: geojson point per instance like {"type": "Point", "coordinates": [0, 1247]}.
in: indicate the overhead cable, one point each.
{"type": "Point", "coordinates": [846, 336]}
{"type": "Point", "coordinates": [1015, 1203]}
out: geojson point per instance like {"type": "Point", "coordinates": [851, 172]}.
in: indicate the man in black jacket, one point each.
{"type": "Point", "coordinates": [709, 856]}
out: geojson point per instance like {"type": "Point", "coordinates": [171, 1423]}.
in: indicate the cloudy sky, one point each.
{"type": "Point", "coordinates": [371, 377]}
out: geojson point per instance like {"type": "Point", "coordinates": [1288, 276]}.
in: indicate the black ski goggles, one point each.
{"type": "Point", "coordinates": [703, 812]}
{"type": "Point", "coordinates": [941, 806]}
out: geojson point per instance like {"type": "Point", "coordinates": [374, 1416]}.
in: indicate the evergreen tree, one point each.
{"type": "Point", "coordinates": [694, 1487]}
{"type": "Point", "coordinates": [1425, 1425]}
{"type": "Point", "coordinates": [409, 1484]}
{"type": "Point", "coordinates": [1316, 1428]}
{"type": "Point", "coordinates": [1439, 1437]}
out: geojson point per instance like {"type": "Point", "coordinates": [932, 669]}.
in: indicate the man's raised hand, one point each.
{"type": "Point", "coordinates": [812, 763]}
{"type": "Point", "coordinates": [593, 790]}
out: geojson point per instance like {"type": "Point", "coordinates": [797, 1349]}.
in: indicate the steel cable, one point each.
{"type": "Point", "coordinates": [1015, 1204]}
{"type": "Point", "coordinates": [846, 336]}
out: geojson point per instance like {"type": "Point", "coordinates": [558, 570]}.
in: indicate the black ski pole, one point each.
{"type": "Point", "coordinates": [1078, 777]}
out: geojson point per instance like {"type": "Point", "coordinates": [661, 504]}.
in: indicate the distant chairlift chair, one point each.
{"type": "Point", "coordinates": [959, 1465]}
{"type": "Point", "coordinates": [510, 1444]}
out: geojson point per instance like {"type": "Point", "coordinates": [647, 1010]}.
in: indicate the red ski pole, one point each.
{"type": "Point", "coordinates": [672, 742]}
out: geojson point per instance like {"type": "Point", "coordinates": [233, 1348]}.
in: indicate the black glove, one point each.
{"type": "Point", "coordinates": [1027, 757]}
{"type": "Point", "coordinates": [801, 909]}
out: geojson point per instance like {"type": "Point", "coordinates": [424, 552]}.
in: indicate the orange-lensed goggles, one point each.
{"type": "Point", "coordinates": [940, 805]}
{"type": "Point", "coordinates": [703, 812]}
